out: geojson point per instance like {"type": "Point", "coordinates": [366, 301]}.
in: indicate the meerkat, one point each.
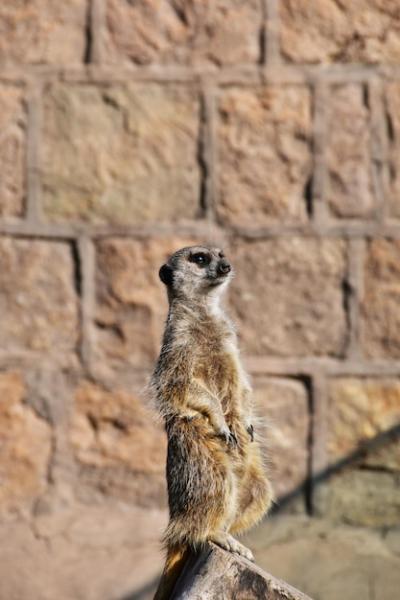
{"type": "Point", "coordinates": [217, 484]}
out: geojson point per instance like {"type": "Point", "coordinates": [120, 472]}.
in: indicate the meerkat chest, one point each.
{"type": "Point", "coordinates": [230, 348]}
{"type": "Point", "coordinates": [232, 352]}
{"type": "Point", "coordinates": [218, 367]}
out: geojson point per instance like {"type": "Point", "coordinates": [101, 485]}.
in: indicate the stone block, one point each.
{"type": "Point", "coordinates": [118, 444]}
{"type": "Point", "coordinates": [225, 32]}
{"type": "Point", "coordinates": [131, 300]}
{"type": "Point", "coordinates": [361, 31]}
{"type": "Point", "coordinates": [363, 483]}
{"type": "Point", "coordinates": [349, 153]}
{"type": "Point", "coordinates": [25, 445]}
{"type": "Point", "coordinates": [361, 411]}
{"type": "Point", "coordinates": [38, 296]}
{"type": "Point", "coordinates": [282, 405]}
{"type": "Point", "coordinates": [392, 105]}
{"type": "Point", "coordinates": [264, 151]}
{"type": "Point", "coordinates": [123, 154]}
{"type": "Point", "coordinates": [42, 32]}
{"type": "Point", "coordinates": [12, 150]}
{"type": "Point", "coordinates": [380, 331]}
{"type": "Point", "coordinates": [287, 296]}
{"type": "Point", "coordinates": [360, 497]}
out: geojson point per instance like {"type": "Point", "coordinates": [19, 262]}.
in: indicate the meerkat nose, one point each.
{"type": "Point", "coordinates": [223, 267]}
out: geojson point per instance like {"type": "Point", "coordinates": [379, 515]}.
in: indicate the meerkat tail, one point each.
{"type": "Point", "coordinates": [175, 561]}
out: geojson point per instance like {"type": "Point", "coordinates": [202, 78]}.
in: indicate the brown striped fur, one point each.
{"type": "Point", "coordinates": [217, 483]}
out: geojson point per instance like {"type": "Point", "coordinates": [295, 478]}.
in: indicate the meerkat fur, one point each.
{"type": "Point", "coordinates": [217, 485]}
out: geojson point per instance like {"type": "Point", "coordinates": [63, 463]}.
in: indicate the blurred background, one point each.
{"type": "Point", "coordinates": [127, 130]}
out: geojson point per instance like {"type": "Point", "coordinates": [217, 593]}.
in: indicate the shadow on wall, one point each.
{"type": "Point", "coordinates": [388, 437]}
{"type": "Point", "coordinates": [385, 438]}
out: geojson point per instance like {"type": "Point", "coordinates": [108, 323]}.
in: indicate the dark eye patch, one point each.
{"type": "Point", "coordinates": [200, 258]}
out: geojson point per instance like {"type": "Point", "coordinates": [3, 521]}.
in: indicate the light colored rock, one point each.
{"type": "Point", "coordinates": [392, 102]}
{"type": "Point", "coordinates": [264, 152]}
{"type": "Point", "coordinates": [122, 154]}
{"type": "Point", "coordinates": [287, 296]}
{"type": "Point", "coordinates": [119, 443]}
{"type": "Point", "coordinates": [361, 31]}
{"type": "Point", "coordinates": [12, 150]}
{"type": "Point", "coordinates": [131, 300]}
{"type": "Point", "coordinates": [112, 551]}
{"type": "Point", "coordinates": [42, 31]}
{"type": "Point", "coordinates": [349, 158]}
{"type": "Point", "coordinates": [380, 333]}
{"type": "Point", "coordinates": [224, 32]}
{"type": "Point", "coordinates": [25, 445]}
{"type": "Point", "coordinates": [360, 410]}
{"type": "Point", "coordinates": [283, 407]}
{"type": "Point", "coordinates": [85, 552]}
{"type": "Point", "coordinates": [37, 294]}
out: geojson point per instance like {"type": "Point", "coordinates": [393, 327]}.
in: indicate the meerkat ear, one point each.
{"type": "Point", "coordinates": [166, 274]}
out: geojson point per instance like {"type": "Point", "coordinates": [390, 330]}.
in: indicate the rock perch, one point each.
{"type": "Point", "coordinates": [215, 574]}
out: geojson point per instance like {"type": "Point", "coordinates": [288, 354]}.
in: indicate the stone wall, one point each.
{"type": "Point", "coordinates": [128, 129]}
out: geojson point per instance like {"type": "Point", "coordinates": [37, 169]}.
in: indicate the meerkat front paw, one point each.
{"type": "Point", "coordinates": [228, 435]}
{"type": "Point", "coordinates": [250, 431]}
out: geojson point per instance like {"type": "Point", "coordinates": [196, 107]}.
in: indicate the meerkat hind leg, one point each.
{"type": "Point", "coordinates": [228, 542]}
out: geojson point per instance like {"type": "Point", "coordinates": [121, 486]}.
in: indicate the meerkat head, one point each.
{"type": "Point", "coordinates": [196, 271]}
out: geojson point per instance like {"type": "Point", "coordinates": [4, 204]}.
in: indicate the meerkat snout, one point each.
{"type": "Point", "coordinates": [223, 267]}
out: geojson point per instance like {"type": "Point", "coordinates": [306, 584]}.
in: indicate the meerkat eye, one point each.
{"type": "Point", "coordinates": [200, 259]}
